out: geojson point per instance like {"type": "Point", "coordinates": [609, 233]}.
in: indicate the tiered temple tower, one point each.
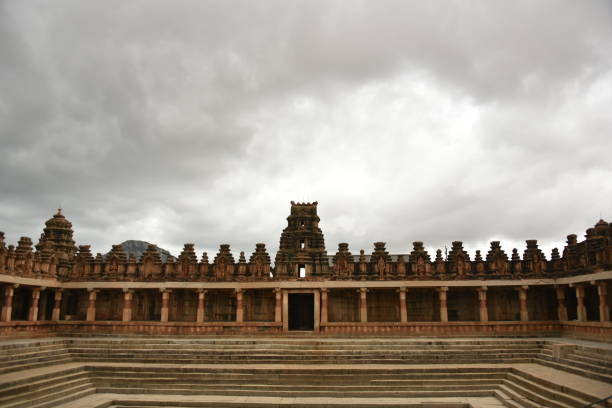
{"type": "Point", "coordinates": [302, 251]}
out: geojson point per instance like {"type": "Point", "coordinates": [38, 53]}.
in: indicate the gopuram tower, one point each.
{"type": "Point", "coordinates": [302, 253]}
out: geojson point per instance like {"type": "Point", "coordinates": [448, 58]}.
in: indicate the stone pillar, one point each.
{"type": "Point", "coordinates": [363, 305]}
{"type": "Point", "coordinates": [604, 308]}
{"type": "Point", "coordinates": [165, 307]}
{"type": "Point", "coordinates": [57, 306]}
{"type": "Point", "coordinates": [561, 306]}
{"type": "Point", "coordinates": [7, 308]}
{"type": "Point", "coordinates": [278, 305]}
{"type": "Point", "coordinates": [442, 292]}
{"type": "Point", "coordinates": [91, 306]}
{"type": "Point", "coordinates": [33, 313]}
{"type": "Point", "coordinates": [201, 306]}
{"type": "Point", "coordinates": [239, 306]}
{"type": "Point", "coordinates": [580, 307]}
{"type": "Point", "coordinates": [523, 303]}
{"type": "Point", "coordinates": [285, 311]}
{"type": "Point", "coordinates": [42, 305]}
{"type": "Point", "coordinates": [127, 304]}
{"type": "Point", "coordinates": [402, 305]}
{"type": "Point", "coordinates": [482, 304]}
{"type": "Point", "coordinates": [324, 305]}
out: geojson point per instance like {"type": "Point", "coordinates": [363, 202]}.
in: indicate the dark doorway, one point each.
{"type": "Point", "coordinates": [301, 311]}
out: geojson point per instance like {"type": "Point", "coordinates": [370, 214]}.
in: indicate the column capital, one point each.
{"type": "Point", "coordinates": [200, 290]}
{"type": "Point", "coordinates": [402, 289]}
{"type": "Point", "coordinates": [165, 290]}
{"type": "Point", "coordinates": [324, 290]}
{"type": "Point", "coordinates": [128, 290]}
{"type": "Point", "coordinates": [442, 289]}
{"type": "Point", "coordinates": [363, 290]}
{"type": "Point", "coordinates": [277, 290]}
{"type": "Point", "coordinates": [482, 289]}
{"type": "Point", "coordinates": [93, 290]}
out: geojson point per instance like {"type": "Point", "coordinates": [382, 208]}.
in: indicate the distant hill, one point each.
{"type": "Point", "coordinates": [138, 248]}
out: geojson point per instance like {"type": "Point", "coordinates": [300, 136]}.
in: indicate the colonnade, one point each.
{"type": "Point", "coordinates": [579, 310]}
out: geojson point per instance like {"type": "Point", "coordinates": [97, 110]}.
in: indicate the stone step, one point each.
{"type": "Point", "coordinates": [541, 390]}
{"type": "Point", "coordinates": [512, 399]}
{"type": "Point", "coordinates": [574, 367]}
{"type": "Point", "coordinates": [599, 367]}
{"type": "Point", "coordinates": [534, 396]}
{"type": "Point", "coordinates": [301, 370]}
{"type": "Point", "coordinates": [44, 391]}
{"type": "Point", "coordinates": [391, 380]}
{"type": "Point", "coordinates": [126, 389]}
{"type": "Point", "coordinates": [299, 351]}
{"type": "Point", "coordinates": [221, 355]}
{"type": "Point", "coordinates": [41, 363]}
{"type": "Point", "coordinates": [578, 394]}
{"type": "Point", "coordinates": [30, 343]}
{"type": "Point", "coordinates": [591, 359]}
{"type": "Point", "coordinates": [304, 361]}
{"type": "Point", "coordinates": [32, 348]}
{"type": "Point", "coordinates": [31, 385]}
{"type": "Point", "coordinates": [335, 388]}
{"type": "Point", "coordinates": [292, 346]}
{"type": "Point", "coordinates": [52, 399]}
{"type": "Point", "coordinates": [4, 359]}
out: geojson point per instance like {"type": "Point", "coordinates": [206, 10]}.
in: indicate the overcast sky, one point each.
{"type": "Point", "coordinates": [177, 121]}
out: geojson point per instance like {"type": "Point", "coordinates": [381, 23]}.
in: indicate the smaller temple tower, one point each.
{"type": "Point", "coordinates": [302, 253]}
{"type": "Point", "coordinates": [57, 238]}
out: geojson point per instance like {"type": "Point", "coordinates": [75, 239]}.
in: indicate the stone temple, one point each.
{"type": "Point", "coordinates": [313, 329]}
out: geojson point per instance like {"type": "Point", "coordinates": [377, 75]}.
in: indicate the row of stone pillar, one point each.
{"type": "Point", "coordinates": [7, 307]}
{"type": "Point", "coordinates": [128, 295]}
{"type": "Point", "coordinates": [602, 291]}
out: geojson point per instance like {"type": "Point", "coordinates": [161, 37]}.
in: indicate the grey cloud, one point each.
{"type": "Point", "coordinates": [200, 121]}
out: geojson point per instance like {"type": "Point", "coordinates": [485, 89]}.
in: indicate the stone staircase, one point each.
{"type": "Point", "coordinates": [53, 372]}
{"type": "Point", "coordinates": [277, 351]}
{"type": "Point", "coordinates": [45, 391]}
{"type": "Point", "coordinates": [24, 354]}
{"type": "Point", "coordinates": [588, 362]}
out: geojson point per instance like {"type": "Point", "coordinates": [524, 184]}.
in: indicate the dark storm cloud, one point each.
{"type": "Point", "coordinates": [199, 121]}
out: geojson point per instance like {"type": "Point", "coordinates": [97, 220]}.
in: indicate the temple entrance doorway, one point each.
{"type": "Point", "coordinates": [301, 311]}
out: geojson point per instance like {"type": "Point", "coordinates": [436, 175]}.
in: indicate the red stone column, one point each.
{"type": "Point", "coordinates": [33, 313]}
{"type": "Point", "coordinates": [403, 306]}
{"type": "Point", "coordinates": [278, 305]}
{"type": "Point", "coordinates": [580, 307]}
{"type": "Point", "coordinates": [128, 295]}
{"type": "Point", "coordinates": [165, 308]}
{"type": "Point", "coordinates": [285, 298]}
{"type": "Point", "coordinates": [239, 306]}
{"type": "Point", "coordinates": [324, 305]}
{"type": "Point", "coordinates": [523, 303]}
{"type": "Point", "coordinates": [91, 306]}
{"type": "Point", "coordinates": [363, 305]}
{"type": "Point", "coordinates": [561, 306]}
{"type": "Point", "coordinates": [482, 304]}
{"type": "Point", "coordinates": [7, 308]}
{"type": "Point", "coordinates": [201, 306]}
{"type": "Point", "coordinates": [442, 292]}
{"type": "Point", "coordinates": [604, 308]}
{"type": "Point", "coordinates": [57, 306]}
